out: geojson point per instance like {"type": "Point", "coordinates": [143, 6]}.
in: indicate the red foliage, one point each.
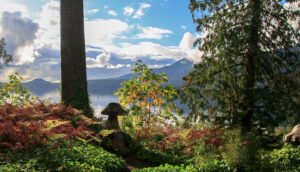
{"type": "Point", "coordinates": [212, 137]}
{"type": "Point", "coordinates": [23, 127]}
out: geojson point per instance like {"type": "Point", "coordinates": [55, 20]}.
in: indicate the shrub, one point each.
{"type": "Point", "coordinates": [285, 159]}
{"type": "Point", "coordinates": [69, 156]}
{"type": "Point", "coordinates": [167, 168]}
{"type": "Point", "coordinates": [159, 157]}
{"type": "Point", "coordinates": [241, 151]}
{"type": "Point", "coordinates": [38, 124]}
{"type": "Point", "coordinates": [118, 142]}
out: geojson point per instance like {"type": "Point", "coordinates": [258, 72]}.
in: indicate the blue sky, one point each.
{"type": "Point", "coordinates": [117, 32]}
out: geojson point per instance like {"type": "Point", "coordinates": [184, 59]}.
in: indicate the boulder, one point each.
{"type": "Point", "coordinates": [294, 136]}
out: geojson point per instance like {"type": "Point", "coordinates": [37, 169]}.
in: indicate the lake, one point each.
{"type": "Point", "coordinates": [99, 102]}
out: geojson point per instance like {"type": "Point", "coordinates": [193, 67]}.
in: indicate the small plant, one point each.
{"type": "Point", "coordinates": [14, 93]}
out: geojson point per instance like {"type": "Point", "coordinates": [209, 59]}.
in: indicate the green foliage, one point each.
{"type": "Point", "coordinates": [159, 157]}
{"type": "Point", "coordinates": [241, 152]}
{"type": "Point", "coordinates": [6, 58]}
{"type": "Point", "coordinates": [167, 168]}
{"type": "Point", "coordinates": [210, 164]}
{"type": "Point", "coordinates": [128, 146]}
{"type": "Point", "coordinates": [148, 97]}
{"type": "Point", "coordinates": [249, 74]}
{"type": "Point", "coordinates": [285, 159]}
{"type": "Point", "coordinates": [14, 93]}
{"type": "Point", "coordinates": [81, 100]}
{"type": "Point", "coordinates": [69, 156]}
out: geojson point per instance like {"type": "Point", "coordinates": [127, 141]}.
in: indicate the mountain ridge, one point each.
{"type": "Point", "coordinates": [175, 73]}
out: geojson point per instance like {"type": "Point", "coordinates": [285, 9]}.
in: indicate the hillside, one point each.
{"type": "Point", "coordinates": [174, 72]}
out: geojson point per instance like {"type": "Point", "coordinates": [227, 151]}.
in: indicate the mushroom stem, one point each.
{"type": "Point", "coordinates": [112, 123]}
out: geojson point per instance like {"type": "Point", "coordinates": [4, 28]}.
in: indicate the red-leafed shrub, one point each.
{"type": "Point", "coordinates": [39, 124]}
{"type": "Point", "coordinates": [207, 136]}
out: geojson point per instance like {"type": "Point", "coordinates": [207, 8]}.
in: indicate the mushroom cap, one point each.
{"type": "Point", "coordinates": [113, 109]}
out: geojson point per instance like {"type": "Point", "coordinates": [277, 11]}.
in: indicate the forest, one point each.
{"type": "Point", "coordinates": [243, 100]}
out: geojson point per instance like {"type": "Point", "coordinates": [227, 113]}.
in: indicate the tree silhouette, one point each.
{"type": "Point", "coordinates": [73, 59]}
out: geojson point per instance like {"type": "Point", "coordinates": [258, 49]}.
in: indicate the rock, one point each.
{"type": "Point", "coordinates": [294, 136]}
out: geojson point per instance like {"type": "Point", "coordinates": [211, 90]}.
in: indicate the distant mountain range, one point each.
{"type": "Point", "coordinates": [175, 73]}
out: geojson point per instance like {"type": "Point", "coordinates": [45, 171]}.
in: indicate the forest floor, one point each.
{"type": "Point", "coordinates": [133, 163]}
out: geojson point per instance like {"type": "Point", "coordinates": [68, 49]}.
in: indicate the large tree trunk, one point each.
{"type": "Point", "coordinates": [253, 53]}
{"type": "Point", "coordinates": [73, 60]}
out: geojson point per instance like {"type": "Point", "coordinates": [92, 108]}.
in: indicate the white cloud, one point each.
{"type": "Point", "coordinates": [139, 13]}
{"type": "Point", "coordinates": [149, 49]}
{"type": "Point", "coordinates": [183, 27]}
{"type": "Point", "coordinates": [101, 33]}
{"type": "Point", "coordinates": [49, 23]}
{"type": "Point", "coordinates": [46, 70]}
{"type": "Point", "coordinates": [128, 11]}
{"type": "Point", "coordinates": [93, 11]}
{"type": "Point", "coordinates": [157, 66]}
{"type": "Point", "coordinates": [9, 6]}
{"type": "Point", "coordinates": [113, 13]}
{"type": "Point", "coordinates": [186, 45]}
{"type": "Point", "coordinates": [152, 33]}
{"type": "Point", "coordinates": [101, 61]}
{"type": "Point", "coordinates": [19, 33]}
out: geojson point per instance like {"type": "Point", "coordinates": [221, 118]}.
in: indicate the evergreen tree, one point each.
{"type": "Point", "coordinates": [249, 75]}
{"type": "Point", "coordinates": [6, 58]}
{"type": "Point", "coordinates": [73, 59]}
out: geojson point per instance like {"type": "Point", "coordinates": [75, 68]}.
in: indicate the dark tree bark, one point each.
{"type": "Point", "coordinates": [253, 50]}
{"type": "Point", "coordinates": [73, 59]}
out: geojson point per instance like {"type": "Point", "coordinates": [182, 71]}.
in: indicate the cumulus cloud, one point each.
{"type": "Point", "coordinates": [152, 33]}
{"type": "Point", "coordinates": [101, 33]}
{"type": "Point", "coordinates": [101, 61]}
{"type": "Point", "coordinates": [49, 22]}
{"type": "Point", "coordinates": [186, 45]}
{"type": "Point", "coordinates": [19, 33]}
{"type": "Point", "coordinates": [140, 12]}
{"type": "Point", "coordinates": [128, 11]}
{"type": "Point", "coordinates": [113, 13]}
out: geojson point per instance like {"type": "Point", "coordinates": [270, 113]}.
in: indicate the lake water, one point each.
{"type": "Point", "coordinates": [99, 102]}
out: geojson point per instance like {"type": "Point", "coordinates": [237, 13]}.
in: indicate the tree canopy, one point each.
{"type": "Point", "coordinates": [249, 75]}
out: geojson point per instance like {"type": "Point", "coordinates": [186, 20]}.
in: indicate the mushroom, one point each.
{"type": "Point", "coordinates": [113, 110]}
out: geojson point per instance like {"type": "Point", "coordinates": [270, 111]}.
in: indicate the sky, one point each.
{"type": "Point", "coordinates": [117, 33]}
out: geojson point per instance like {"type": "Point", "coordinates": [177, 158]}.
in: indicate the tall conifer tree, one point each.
{"type": "Point", "coordinates": [73, 59]}
{"type": "Point", "coordinates": [249, 75]}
